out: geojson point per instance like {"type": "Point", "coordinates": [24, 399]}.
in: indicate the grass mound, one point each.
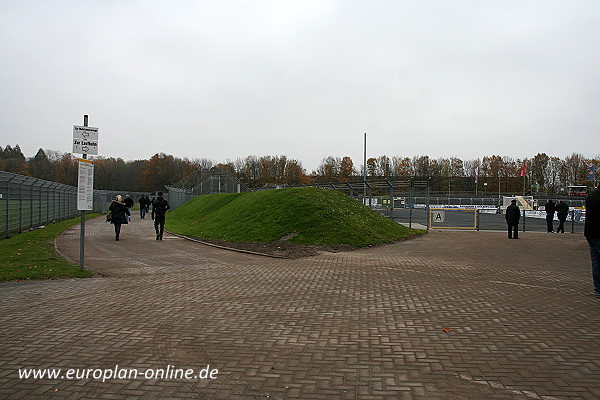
{"type": "Point", "coordinates": [301, 215]}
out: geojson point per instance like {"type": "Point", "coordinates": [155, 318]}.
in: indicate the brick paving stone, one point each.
{"type": "Point", "coordinates": [452, 315]}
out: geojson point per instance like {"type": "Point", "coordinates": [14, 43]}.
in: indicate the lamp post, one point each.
{"type": "Point", "coordinates": [499, 185]}
{"type": "Point", "coordinates": [365, 171]}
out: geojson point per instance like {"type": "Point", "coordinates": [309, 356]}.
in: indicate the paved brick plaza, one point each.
{"type": "Point", "coordinates": [452, 315]}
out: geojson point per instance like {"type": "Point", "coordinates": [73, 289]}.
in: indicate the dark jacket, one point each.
{"type": "Point", "coordinates": [128, 202]}
{"type": "Point", "coordinates": [513, 214]}
{"type": "Point", "coordinates": [550, 208]}
{"type": "Point", "coordinates": [562, 210]}
{"type": "Point", "coordinates": [119, 212]}
{"type": "Point", "coordinates": [592, 214]}
{"type": "Point", "coordinates": [160, 206]}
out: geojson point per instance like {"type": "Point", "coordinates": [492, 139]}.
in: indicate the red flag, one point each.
{"type": "Point", "coordinates": [523, 169]}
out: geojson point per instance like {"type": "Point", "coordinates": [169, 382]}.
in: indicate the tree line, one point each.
{"type": "Point", "coordinates": [541, 173]}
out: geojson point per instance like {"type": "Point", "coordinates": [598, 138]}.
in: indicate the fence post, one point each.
{"type": "Point", "coordinates": [7, 206]}
{"type": "Point", "coordinates": [21, 207]}
{"type": "Point", "coordinates": [48, 206]}
{"type": "Point", "coordinates": [31, 206]}
{"type": "Point", "coordinates": [40, 206]}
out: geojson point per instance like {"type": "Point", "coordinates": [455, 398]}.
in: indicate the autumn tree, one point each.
{"type": "Point", "coordinates": [40, 166]}
{"type": "Point", "coordinates": [420, 166]}
{"type": "Point", "coordinates": [329, 169]}
{"type": "Point", "coordinates": [574, 170]}
{"type": "Point", "coordinates": [539, 164]}
{"type": "Point", "coordinates": [384, 166]}
{"type": "Point", "coordinates": [402, 167]}
{"type": "Point", "coordinates": [13, 160]}
{"type": "Point", "coordinates": [66, 169]}
{"type": "Point", "coordinates": [251, 169]}
{"type": "Point", "coordinates": [109, 173]}
{"type": "Point", "coordinates": [294, 173]}
{"type": "Point", "coordinates": [160, 170]}
{"type": "Point", "coordinates": [346, 168]}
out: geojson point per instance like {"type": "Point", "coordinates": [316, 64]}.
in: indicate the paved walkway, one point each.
{"type": "Point", "coordinates": [452, 315]}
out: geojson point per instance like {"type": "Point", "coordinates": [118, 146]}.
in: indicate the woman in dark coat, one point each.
{"type": "Point", "coordinates": [119, 214]}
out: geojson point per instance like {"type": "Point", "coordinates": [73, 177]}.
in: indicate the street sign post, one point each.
{"type": "Point", "coordinates": [85, 140]}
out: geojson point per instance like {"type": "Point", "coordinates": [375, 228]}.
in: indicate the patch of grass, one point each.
{"type": "Point", "coordinates": [315, 216]}
{"type": "Point", "coordinates": [31, 255]}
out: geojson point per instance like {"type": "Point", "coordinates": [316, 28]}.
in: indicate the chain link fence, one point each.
{"type": "Point", "coordinates": [27, 203]}
{"type": "Point", "coordinates": [203, 181]}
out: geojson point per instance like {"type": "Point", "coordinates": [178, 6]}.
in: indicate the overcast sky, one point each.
{"type": "Point", "coordinates": [305, 79]}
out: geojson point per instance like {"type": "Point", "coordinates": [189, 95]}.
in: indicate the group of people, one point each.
{"type": "Point", "coordinates": [591, 229]}
{"type": "Point", "coordinates": [513, 215]}
{"type": "Point", "coordinates": [561, 210]}
{"type": "Point", "coordinates": [120, 211]}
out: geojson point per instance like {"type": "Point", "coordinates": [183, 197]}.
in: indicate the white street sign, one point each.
{"type": "Point", "coordinates": [85, 140]}
{"type": "Point", "coordinates": [85, 185]}
{"type": "Point", "coordinates": [85, 132]}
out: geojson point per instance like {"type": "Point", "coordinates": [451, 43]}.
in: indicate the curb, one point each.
{"type": "Point", "coordinates": [228, 248]}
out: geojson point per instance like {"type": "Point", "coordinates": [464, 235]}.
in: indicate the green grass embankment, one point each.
{"type": "Point", "coordinates": [31, 255]}
{"type": "Point", "coordinates": [313, 216]}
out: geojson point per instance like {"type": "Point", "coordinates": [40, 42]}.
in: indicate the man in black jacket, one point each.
{"type": "Point", "coordinates": [592, 234]}
{"type": "Point", "coordinates": [159, 209]}
{"type": "Point", "coordinates": [142, 202]}
{"type": "Point", "coordinates": [562, 211]}
{"type": "Point", "coordinates": [550, 208]}
{"type": "Point", "coordinates": [513, 215]}
{"type": "Point", "coordinates": [129, 204]}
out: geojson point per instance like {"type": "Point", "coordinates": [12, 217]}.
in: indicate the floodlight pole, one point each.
{"type": "Point", "coordinates": [365, 171]}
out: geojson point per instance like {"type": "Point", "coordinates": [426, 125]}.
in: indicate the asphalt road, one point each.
{"type": "Point", "coordinates": [487, 222]}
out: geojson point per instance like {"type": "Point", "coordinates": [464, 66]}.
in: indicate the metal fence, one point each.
{"type": "Point", "coordinates": [203, 181]}
{"type": "Point", "coordinates": [27, 203]}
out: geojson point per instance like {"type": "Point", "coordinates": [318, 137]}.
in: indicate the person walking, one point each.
{"type": "Point", "coordinates": [147, 204]}
{"type": "Point", "coordinates": [159, 209]}
{"type": "Point", "coordinates": [550, 208]}
{"type": "Point", "coordinates": [513, 215]}
{"type": "Point", "coordinates": [591, 231]}
{"type": "Point", "coordinates": [119, 213]}
{"type": "Point", "coordinates": [562, 211]}
{"type": "Point", "coordinates": [129, 204]}
{"type": "Point", "coordinates": [152, 204]}
{"type": "Point", "coordinates": [142, 202]}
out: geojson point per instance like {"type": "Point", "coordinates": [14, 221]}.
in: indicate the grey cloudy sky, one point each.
{"type": "Point", "coordinates": [306, 79]}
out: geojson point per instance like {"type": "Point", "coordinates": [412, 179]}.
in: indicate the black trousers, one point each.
{"type": "Point", "coordinates": [117, 230]}
{"type": "Point", "coordinates": [159, 224]}
{"type": "Point", "coordinates": [513, 230]}
{"type": "Point", "coordinates": [561, 225]}
{"type": "Point", "coordinates": [549, 220]}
